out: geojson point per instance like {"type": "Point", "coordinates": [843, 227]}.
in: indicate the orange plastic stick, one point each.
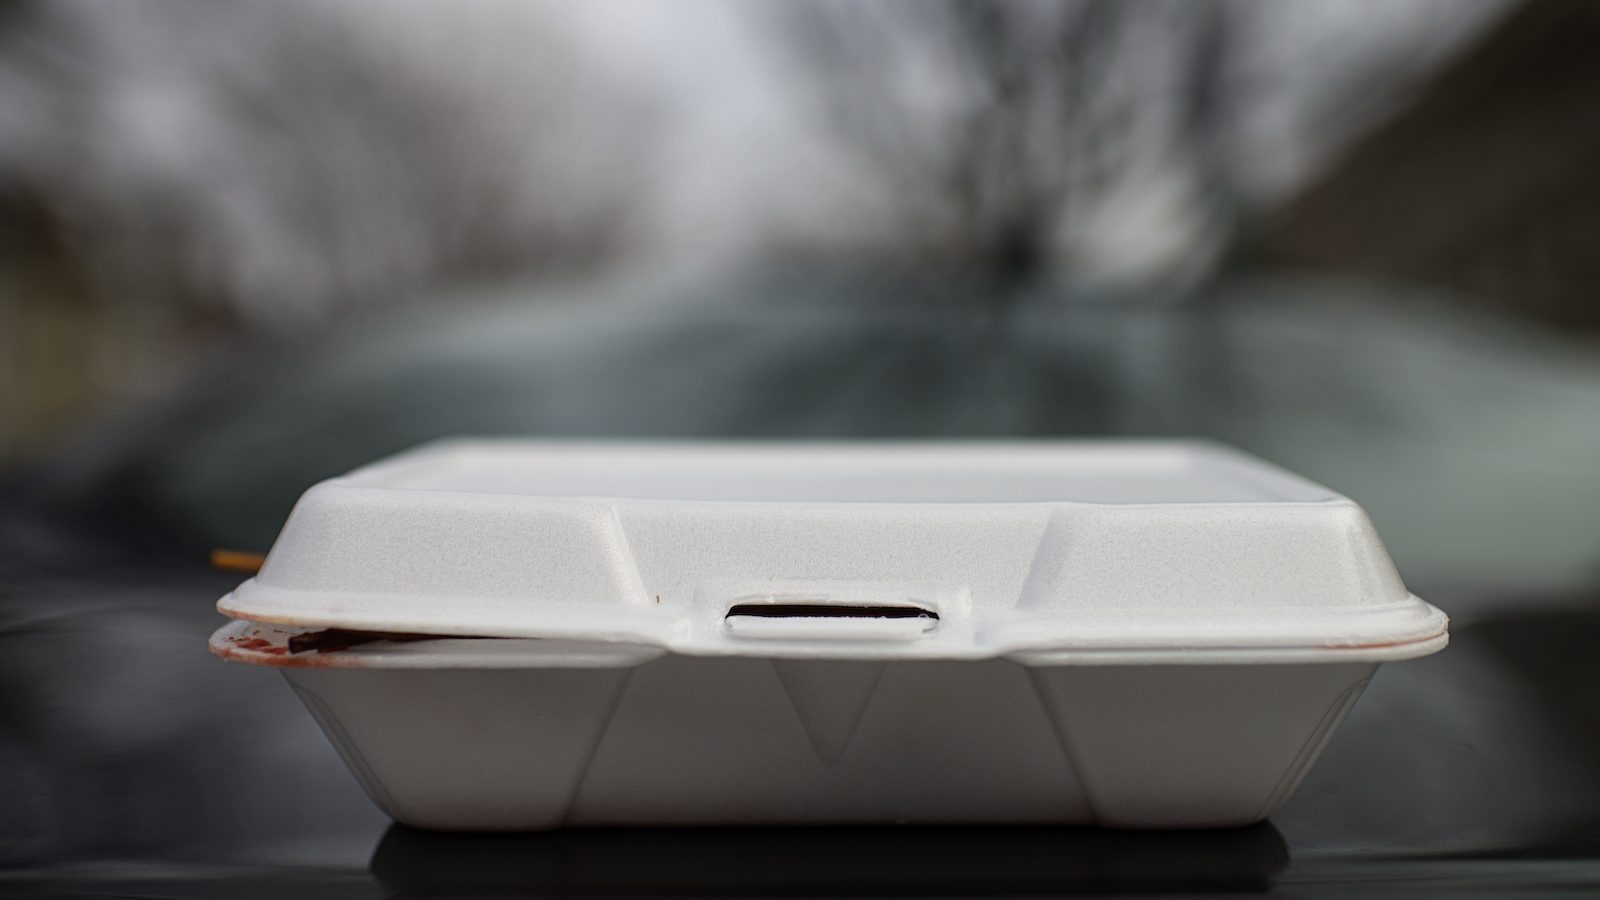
{"type": "Point", "coordinates": [237, 561]}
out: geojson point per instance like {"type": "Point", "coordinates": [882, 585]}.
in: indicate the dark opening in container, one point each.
{"type": "Point", "coordinates": [830, 611]}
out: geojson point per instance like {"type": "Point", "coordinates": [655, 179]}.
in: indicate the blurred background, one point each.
{"type": "Point", "coordinates": [246, 245]}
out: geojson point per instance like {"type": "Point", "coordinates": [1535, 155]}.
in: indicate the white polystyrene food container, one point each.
{"type": "Point", "coordinates": [1150, 634]}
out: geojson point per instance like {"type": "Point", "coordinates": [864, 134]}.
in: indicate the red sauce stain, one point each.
{"type": "Point", "coordinates": [281, 654]}
{"type": "Point", "coordinates": [260, 645]}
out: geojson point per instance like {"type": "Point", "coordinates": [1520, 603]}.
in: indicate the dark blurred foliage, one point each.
{"type": "Point", "coordinates": [992, 125]}
{"type": "Point", "coordinates": [1486, 183]}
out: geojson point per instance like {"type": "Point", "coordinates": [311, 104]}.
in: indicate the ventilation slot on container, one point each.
{"type": "Point", "coordinates": [791, 620]}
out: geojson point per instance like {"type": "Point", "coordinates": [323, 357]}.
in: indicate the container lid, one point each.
{"type": "Point", "coordinates": [1043, 552]}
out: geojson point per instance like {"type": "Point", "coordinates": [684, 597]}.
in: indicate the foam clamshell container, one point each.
{"type": "Point", "coordinates": [1142, 634]}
